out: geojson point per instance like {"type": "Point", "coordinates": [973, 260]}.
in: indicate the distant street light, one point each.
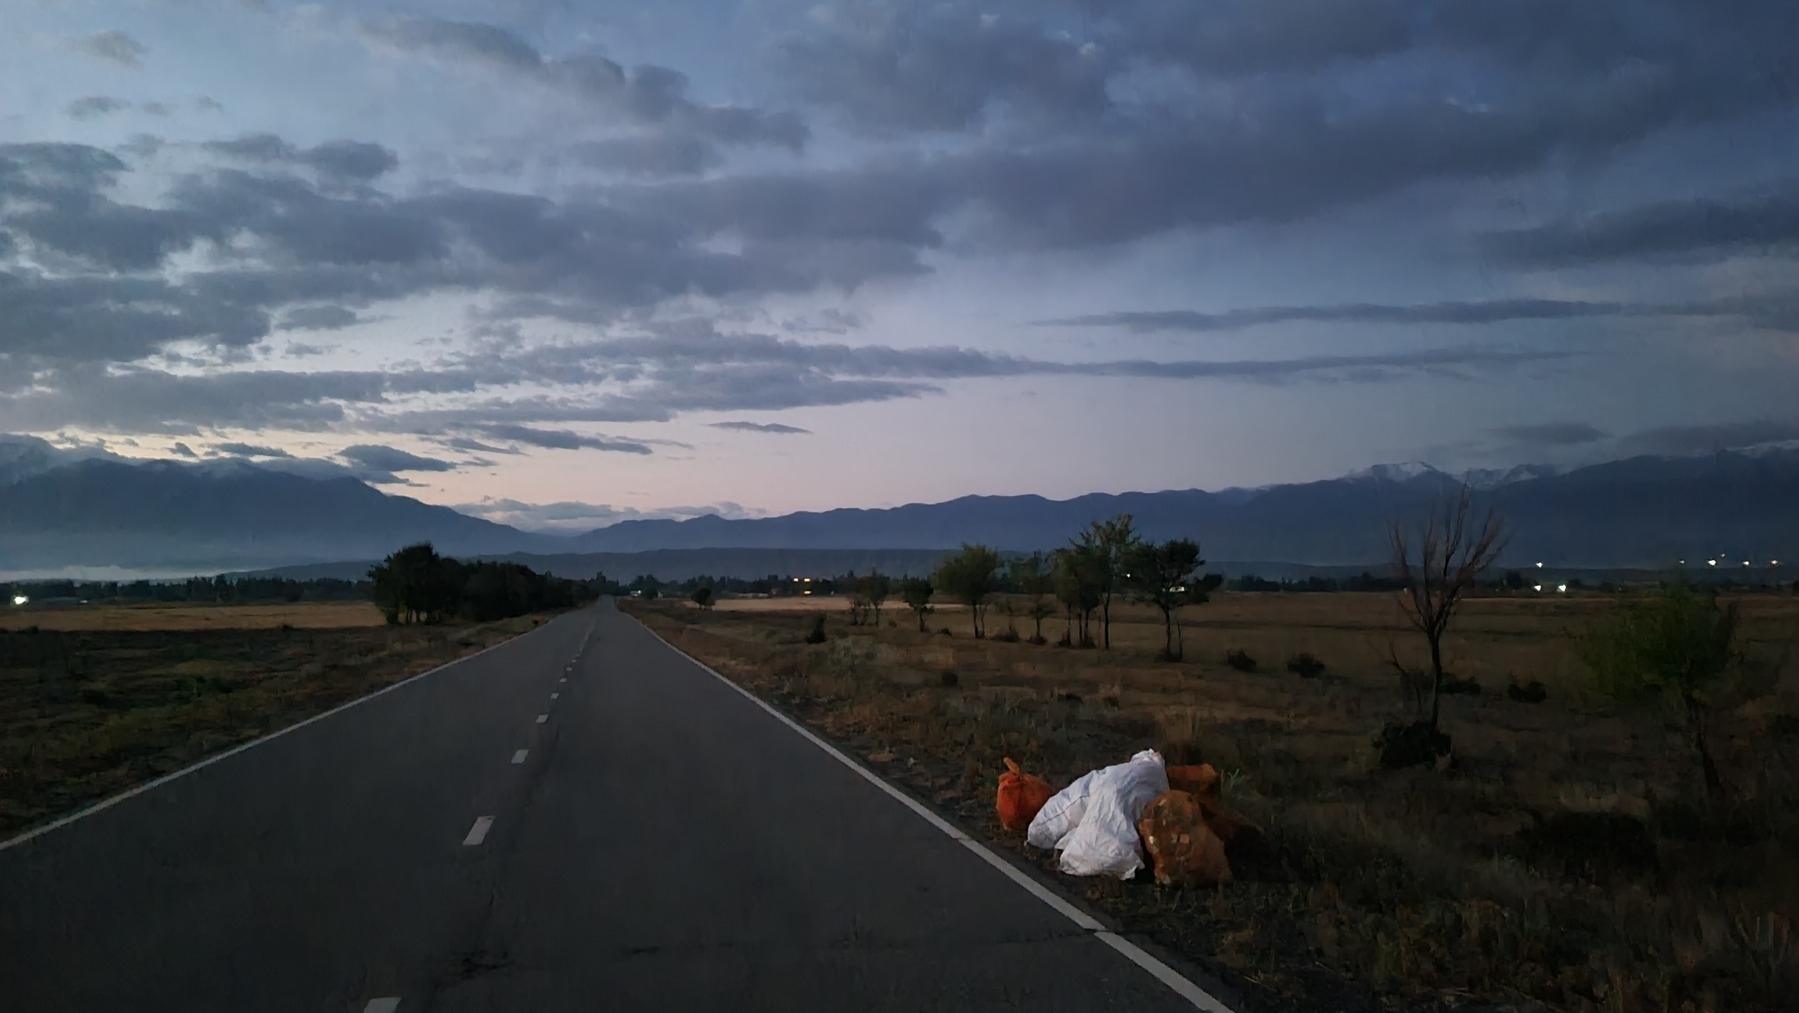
{"type": "Point", "coordinates": [1563, 588]}
{"type": "Point", "coordinates": [1539, 566]}
{"type": "Point", "coordinates": [19, 599]}
{"type": "Point", "coordinates": [1536, 587]}
{"type": "Point", "coordinates": [1711, 562]}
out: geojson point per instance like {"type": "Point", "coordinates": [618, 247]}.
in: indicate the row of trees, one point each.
{"type": "Point", "coordinates": [1104, 563]}
{"type": "Point", "coordinates": [416, 585]}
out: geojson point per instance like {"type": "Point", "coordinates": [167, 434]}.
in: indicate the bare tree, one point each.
{"type": "Point", "coordinates": [1437, 565]}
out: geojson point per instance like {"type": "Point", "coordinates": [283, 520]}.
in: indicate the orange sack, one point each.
{"type": "Point", "coordinates": [1184, 851]}
{"type": "Point", "coordinates": [1020, 796]}
{"type": "Point", "coordinates": [1200, 780]}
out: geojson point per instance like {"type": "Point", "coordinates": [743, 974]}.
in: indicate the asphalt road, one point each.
{"type": "Point", "coordinates": [663, 843]}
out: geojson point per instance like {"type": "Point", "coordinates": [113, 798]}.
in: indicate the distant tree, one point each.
{"type": "Point", "coordinates": [646, 586]}
{"type": "Point", "coordinates": [1032, 577]}
{"type": "Point", "coordinates": [415, 585]}
{"type": "Point", "coordinates": [916, 593]}
{"type": "Point", "coordinates": [1436, 565]}
{"type": "Point", "coordinates": [1163, 575]}
{"type": "Point", "coordinates": [1078, 580]}
{"type": "Point", "coordinates": [1108, 543]}
{"type": "Point", "coordinates": [1676, 646]}
{"type": "Point", "coordinates": [702, 596]}
{"type": "Point", "coordinates": [875, 589]}
{"type": "Point", "coordinates": [1514, 581]}
{"type": "Point", "coordinates": [970, 577]}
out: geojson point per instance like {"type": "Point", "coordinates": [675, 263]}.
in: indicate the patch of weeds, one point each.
{"type": "Point", "coordinates": [817, 636]}
{"type": "Point", "coordinates": [1588, 842]}
{"type": "Point", "coordinates": [1006, 636]}
{"type": "Point", "coordinates": [1455, 685]}
{"type": "Point", "coordinates": [1240, 660]}
{"type": "Point", "coordinates": [1305, 665]}
{"type": "Point", "coordinates": [948, 679]}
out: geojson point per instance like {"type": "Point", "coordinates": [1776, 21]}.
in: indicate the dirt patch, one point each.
{"type": "Point", "coordinates": [299, 615]}
{"type": "Point", "coordinates": [1555, 862]}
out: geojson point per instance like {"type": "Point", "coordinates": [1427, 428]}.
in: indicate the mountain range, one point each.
{"type": "Point", "coordinates": [67, 512]}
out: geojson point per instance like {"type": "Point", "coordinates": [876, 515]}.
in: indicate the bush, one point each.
{"type": "Point", "coordinates": [945, 632]}
{"type": "Point", "coordinates": [1529, 692]}
{"type": "Point", "coordinates": [1240, 660]}
{"type": "Point", "coordinates": [1413, 745]}
{"type": "Point", "coordinates": [949, 678]}
{"type": "Point", "coordinates": [817, 636]}
{"type": "Point", "coordinates": [1454, 684]}
{"type": "Point", "coordinates": [1305, 666]}
{"type": "Point", "coordinates": [1006, 636]}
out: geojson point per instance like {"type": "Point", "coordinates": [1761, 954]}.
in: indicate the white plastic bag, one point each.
{"type": "Point", "coordinates": [1104, 841]}
{"type": "Point", "coordinates": [1061, 814]}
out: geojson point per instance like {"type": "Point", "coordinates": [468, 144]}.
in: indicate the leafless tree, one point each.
{"type": "Point", "coordinates": [1437, 565]}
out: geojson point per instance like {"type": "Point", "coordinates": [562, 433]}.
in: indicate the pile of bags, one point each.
{"type": "Point", "coordinates": [1105, 822]}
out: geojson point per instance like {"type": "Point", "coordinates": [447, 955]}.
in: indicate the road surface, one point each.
{"type": "Point", "coordinates": [578, 819]}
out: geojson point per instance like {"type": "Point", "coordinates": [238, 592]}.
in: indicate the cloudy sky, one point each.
{"type": "Point", "coordinates": [572, 262]}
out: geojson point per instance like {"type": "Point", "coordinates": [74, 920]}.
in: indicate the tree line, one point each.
{"type": "Point", "coordinates": [417, 585]}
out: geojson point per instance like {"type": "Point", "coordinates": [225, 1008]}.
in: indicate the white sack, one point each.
{"type": "Point", "coordinates": [1104, 841]}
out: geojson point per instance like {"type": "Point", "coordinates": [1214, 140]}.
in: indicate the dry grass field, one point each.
{"type": "Point", "coordinates": [324, 615]}
{"type": "Point", "coordinates": [95, 699]}
{"type": "Point", "coordinates": [1564, 861]}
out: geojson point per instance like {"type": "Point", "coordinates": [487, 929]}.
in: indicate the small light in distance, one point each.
{"type": "Point", "coordinates": [1536, 587]}
{"type": "Point", "coordinates": [1711, 562]}
{"type": "Point", "coordinates": [1539, 566]}
{"type": "Point", "coordinates": [19, 599]}
{"type": "Point", "coordinates": [1563, 588]}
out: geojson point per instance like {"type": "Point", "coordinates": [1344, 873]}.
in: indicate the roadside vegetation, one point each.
{"type": "Point", "coordinates": [1610, 823]}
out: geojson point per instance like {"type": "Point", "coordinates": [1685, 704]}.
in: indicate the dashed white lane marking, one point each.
{"type": "Point", "coordinates": [554, 695]}
{"type": "Point", "coordinates": [385, 1004]}
{"type": "Point", "coordinates": [478, 832]}
{"type": "Point", "coordinates": [541, 718]}
{"type": "Point", "coordinates": [1199, 997]}
{"type": "Point", "coordinates": [519, 757]}
{"type": "Point", "coordinates": [561, 680]}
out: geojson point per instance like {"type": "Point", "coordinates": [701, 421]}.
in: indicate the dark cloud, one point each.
{"type": "Point", "coordinates": [938, 67]}
{"type": "Point", "coordinates": [155, 108]}
{"type": "Point", "coordinates": [652, 154]}
{"type": "Point", "coordinates": [95, 106]}
{"type": "Point", "coordinates": [1551, 434]}
{"type": "Point", "coordinates": [559, 439]}
{"type": "Point", "coordinates": [760, 427]}
{"type": "Point", "coordinates": [249, 450]}
{"type": "Point", "coordinates": [1710, 437]}
{"type": "Point", "coordinates": [1486, 311]}
{"type": "Point", "coordinates": [465, 444]}
{"type": "Point", "coordinates": [648, 94]}
{"type": "Point", "coordinates": [207, 104]}
{"type": "Point", "coordinates": [828, 321]}
{"type": "Point", "coordinates": [115, 46]}
{"type": "Point", "coordinates": [391, 459]}
{"type": "Point", "coordinates": [360, 161]}
{"type": "Point", "coordinates": [1749, 224]}
{"type": "Point", "coordinates": [183, 450]}
{"type": "Point", "coordinates": [318, 318]}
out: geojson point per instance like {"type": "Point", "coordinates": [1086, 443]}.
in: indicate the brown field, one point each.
{"type": "Point", "coordinates": [1563, 862]}
{"type": "Point", "coordinates": [813, 603]}
{"type": "Point", "coordinates": [95, 699]}
{"type": "Point", "coordinates": [326, 615]}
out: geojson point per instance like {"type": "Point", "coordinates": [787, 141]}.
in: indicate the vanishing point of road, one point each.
{"type": "Point", "coordinates": [578, 819]}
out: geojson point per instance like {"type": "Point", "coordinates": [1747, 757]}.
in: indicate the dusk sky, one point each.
{"type": "Point", "coordinates": [563, 263]}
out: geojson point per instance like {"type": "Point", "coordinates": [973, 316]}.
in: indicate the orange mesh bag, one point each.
{"type": "Point", "coordinates": [1183, 850]}
{"type": "Point", "coordinates": [1200, 780]}
{"type": "Point", "coordinates": [1020, 796]}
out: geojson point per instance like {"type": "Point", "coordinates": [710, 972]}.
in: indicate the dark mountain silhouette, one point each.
{"type": "Point", "coordinates": [60, 513]}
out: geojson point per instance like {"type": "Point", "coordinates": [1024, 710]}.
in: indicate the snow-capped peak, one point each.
{"type": "Point", "coordinates": [1402, 472]}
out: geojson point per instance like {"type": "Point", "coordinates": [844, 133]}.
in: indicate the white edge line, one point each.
{"type": "Point", "coordinates": [554, 695]}
{"type": "Point", "coordinates": [384, 1004]}
{"type": "Point", "coordinates": [1199, 997]}
{"type": "Point", "coordinates": [109, 802]}
{"type": "Point", "coordinates": [541, 718]}
{"type": "Point", "coordinates": [519, 756]}
{"type": "Point", "coordinates": [478, 832]}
